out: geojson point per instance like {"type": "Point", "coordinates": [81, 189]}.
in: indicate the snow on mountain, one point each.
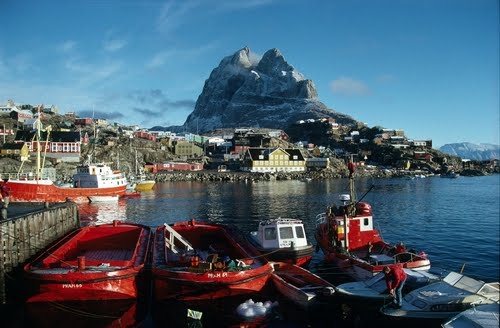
{"type": "Point", "coordinates": [467, 150]}
{"type": "Point", "coordinates": [268, 93]}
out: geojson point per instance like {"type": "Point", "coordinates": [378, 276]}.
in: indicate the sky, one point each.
{"type": "Point", "coordinates": [428, 67]}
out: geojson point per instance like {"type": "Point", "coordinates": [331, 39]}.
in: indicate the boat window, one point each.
{"type": "Point", "coordinates": [299, 231]}
{"type": "Point", "coordinates": [270, 233]}
{"type": "Point", "coordinates": [286, 233]}
{"type": "Point", "coordinates": [365, 221]}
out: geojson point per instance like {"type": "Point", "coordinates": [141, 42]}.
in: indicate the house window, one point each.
{"type": "Point", "coordinates": [286, 233]}
{"type": "Point", "coordinates": [295, 157]}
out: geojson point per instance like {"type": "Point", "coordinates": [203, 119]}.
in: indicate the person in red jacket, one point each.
{"type": "Point", "coordinates": [395, 278]}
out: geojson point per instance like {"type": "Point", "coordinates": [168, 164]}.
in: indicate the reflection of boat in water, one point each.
{"type": "Point", "coordinates": [204, 261]}
{"type": "Point", "coordinates": [102, 313]}
{"type": "Point", "coordinates": [282, 240]}
{"type": "Point", "coordinates": [347, 237]}
{"type": "Point", "coordinates": [446, 298]}
{"type": "Point", "coordinates": [103, 212]}
{"type": "Point", "coordinates": [102, 262]}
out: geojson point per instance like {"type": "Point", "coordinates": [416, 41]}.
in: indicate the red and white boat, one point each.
{"type": "Point", "coordinates": [347, 238]}
{"type": "Point", "coordinates": [300, 285]}
{"type": "Point", "coordinates": [92, 181]}
{"type": "Point", "coordinates": [97, 181]}
{"type": "Point", "coordinates": [103, 262]}
{"type": "Point", "coordinates": [195, 261]}
{"type": "Point", "coordinates": [283, 240]}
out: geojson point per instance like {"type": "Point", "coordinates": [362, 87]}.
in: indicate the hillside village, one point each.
{"type": "Point", "coordinates": [314, 146]}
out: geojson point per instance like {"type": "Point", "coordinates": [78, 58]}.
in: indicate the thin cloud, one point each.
{"type": "Point", "coordinates": [173, 14]}
{"type": "Point", "coordinates": [67, 46]}
{"type": "Point", "coordinates": [147, 111]}
{"type": "Point", "coordinates": [114, 45]}
{"type": "Point", "coordinates": [159, 59]}
{"type": "Point", "coordinates": [385, 78]}
{"type": "Point", "coordinates": [100, 114]}
{"type": "Point", "coordinates": [349, 87]}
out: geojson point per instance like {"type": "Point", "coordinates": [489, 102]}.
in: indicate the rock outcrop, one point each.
{"type": "Point", "coordinates": [265, 93]}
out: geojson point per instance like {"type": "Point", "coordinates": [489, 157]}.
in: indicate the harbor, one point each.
{"type": "Point", "coordinates": [398, 216]}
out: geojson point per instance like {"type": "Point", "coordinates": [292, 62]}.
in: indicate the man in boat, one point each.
{"type": "Point", "coordinates": [395, 278]}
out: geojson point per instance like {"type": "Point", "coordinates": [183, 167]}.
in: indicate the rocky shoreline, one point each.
{"type": "Point", "coordinates": [238, 176]}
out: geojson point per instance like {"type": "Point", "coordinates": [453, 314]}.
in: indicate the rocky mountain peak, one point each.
{"type": "Point", "coordinates": [247, 91]}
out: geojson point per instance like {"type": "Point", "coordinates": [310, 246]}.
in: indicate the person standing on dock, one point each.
{"type": "Point", "coordinates": [395, 278]}
{"type": "Point", "coordinates": [4, 193]}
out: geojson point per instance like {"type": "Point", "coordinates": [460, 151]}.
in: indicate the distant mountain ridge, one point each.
{"type": "Point", "coordinates": [467, 150]}
{"type": "Point", "coordinates": [265, 93]}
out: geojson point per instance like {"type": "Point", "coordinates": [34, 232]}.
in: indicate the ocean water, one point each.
{"type": "Point", "coordinates": [455, 221]}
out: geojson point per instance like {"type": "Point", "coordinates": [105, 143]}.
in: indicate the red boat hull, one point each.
{"type": "Point", "coordinates": [355, 262]}
{"type": "Point", "coordinates": [175, 277]}
{"type": "Point", "coordinates": [46, 191]}
{"type": "Point", "coordinates": [103, 262]}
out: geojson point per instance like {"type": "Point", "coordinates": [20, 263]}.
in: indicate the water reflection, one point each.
{"type": "Point", "coordinates": [103, 212]}
{"type": "Point", "coordinates": [116, 313]}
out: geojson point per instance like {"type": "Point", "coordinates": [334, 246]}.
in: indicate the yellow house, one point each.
{"type": "Point", "coordinates": [14, 150]}
{"type": "Point", "coordinates": [273, 160]}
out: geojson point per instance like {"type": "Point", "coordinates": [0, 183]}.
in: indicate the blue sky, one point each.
{"type": "Point", "coordinates": [429, 67]}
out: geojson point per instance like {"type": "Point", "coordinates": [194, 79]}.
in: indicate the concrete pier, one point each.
{"type": "Point", "coordinates": [28, 228]}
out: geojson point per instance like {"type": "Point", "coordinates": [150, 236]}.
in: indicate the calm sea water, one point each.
{"type": "Point", "coordinates": [455, 221]}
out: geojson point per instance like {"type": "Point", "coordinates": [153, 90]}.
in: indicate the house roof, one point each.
{"type": "Point", "coordinates": [291, 152]}
{"type": "Point", "coordinates": [13, 146]}
{"type": "Point", "coordinates": [55, 136]}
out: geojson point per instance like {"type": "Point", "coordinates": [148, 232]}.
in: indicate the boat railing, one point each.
{"type": "Point", "coordinates": [18, 176]}
{"type": "Point", "coordinates": [173, 235]}
{"type": "Point", "coordinates": [320, 219]}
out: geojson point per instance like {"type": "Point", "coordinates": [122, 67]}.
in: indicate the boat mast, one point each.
{"type": "Point", "coordinates": [38, 158]}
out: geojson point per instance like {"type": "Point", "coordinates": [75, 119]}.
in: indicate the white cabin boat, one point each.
{"type": "Point", "coordinates": [283, 240]}
{"type": "Point", "coordinates": [485, 316]}
{"type": "Point", "coordinates": [375, 288]}
{"type": "Point", "coordinates": [446, 298]}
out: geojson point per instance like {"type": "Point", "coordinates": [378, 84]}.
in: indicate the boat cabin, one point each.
{"type": "Point", "coordinates": [97, 176]}
{"type": "Point", "coordinates": [359, 228]}
{"type": "Point", "coordinates": [280, 233]}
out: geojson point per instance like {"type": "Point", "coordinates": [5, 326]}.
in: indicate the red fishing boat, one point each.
{"type": "Point", "coordinates": [347, 238]}
{"type": "Point", "coordinates": [198, 261]}
{"type": "Point", "coordinates": [92, 180]}
{"type": "Point", "coordinates": [283, 240]}
{"type": "Point", "coordinates": [103, 262]}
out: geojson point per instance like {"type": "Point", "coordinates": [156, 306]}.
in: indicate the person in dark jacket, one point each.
{"type": "Point", "coordinates": [395, 278]}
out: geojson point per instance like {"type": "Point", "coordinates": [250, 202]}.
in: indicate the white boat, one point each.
{"type": "Point", "coordinates": [283, 240]}
{"type": "Point", "coordinates": [99, 199]}
{"type": "Point", "coordinates": [446, 298]}
{"type": "Point", "coordinates": [375, 288]}
{"type": "Point", "coordinates": [485, 316]}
